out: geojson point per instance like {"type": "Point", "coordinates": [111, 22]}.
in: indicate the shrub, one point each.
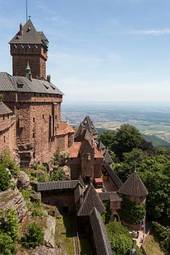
{"type": "Point", "coordinates": [39, 166]}
{"type": "Point", "coordinates": [57, 174]}
{"type": "Point", "coordinates": [7, 246]}
{"type": "Point", "coordinates": [37, 209]}
{"type": "Point", "coordinates": [9, 163]}
{"type": "Point", "coordinates": [34, 236]}
{"type": "Point", "coordinates": [5, 178]}
{"type": "Point", "coordinates": [107, 214]}
{"type": "Point", "coordinates": [120, 239]}
{"type": "Point", "coordinates": [60, 159]}
{"type": "Point", "coordinates": [131, 212]}
{"type": "Point", "coordinates": [9, 223]}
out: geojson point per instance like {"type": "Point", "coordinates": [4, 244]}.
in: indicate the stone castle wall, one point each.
{"type": "Point", "coordinates": [8, 134]}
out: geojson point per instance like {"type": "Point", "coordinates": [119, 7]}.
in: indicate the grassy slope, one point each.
{"type": "Point", "coordinates": [65, 234]}
{"type": "Point", "coordinates": [151, 247]}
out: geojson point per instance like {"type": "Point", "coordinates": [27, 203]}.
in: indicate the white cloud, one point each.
{"type": "Point", "coordinates": [151, 32]}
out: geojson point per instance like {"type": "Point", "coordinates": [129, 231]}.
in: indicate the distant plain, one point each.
{"type": "Point", "coordinates": [152, 120]}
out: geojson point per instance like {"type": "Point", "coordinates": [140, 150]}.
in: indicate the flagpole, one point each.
{"type": "Point", "coordinates": [26, 10]}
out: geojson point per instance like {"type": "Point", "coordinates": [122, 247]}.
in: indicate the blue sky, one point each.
{"type": "Point", "coordinates": [100, 50]}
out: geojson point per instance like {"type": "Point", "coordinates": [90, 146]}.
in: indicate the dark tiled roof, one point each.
{"type": "Point", "coordinates": [4, 109]}
{"type": "Point", "coordinates": [101, 145]}
{"type": "Point", "coordinates": [86, 124]}
{"type": "Point", "coordinates": [22, 84]}
{"type": "Point", "coordinates": [133, 186]}
{"type": "Point", "coordinates": [57, 185]}
{"type": "Point", "coordinates": [100, 237]}
{"type": "Point", "coordinates": [91, 199]}
{"type": "Point", "coordinates": [108, 158]}
{"type": "Point", "coordinates": [114, 177]}
{"type": "Point", "coordinates": [29, 35]}
{"type": "Point", "coordinates": [112, 196]}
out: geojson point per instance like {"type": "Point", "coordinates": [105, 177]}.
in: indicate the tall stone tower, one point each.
{"type": "Point", "coordinates": [29, 46]}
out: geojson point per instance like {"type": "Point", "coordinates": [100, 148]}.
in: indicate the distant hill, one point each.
{"type": "Point", "coordinates": [156, 141]}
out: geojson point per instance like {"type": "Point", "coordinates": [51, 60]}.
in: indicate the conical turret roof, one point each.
{"type": "Point", "coordinates": [134, 187]}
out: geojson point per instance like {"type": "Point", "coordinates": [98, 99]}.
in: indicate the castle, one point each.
{"type": "Point", "coordinates": [31, 127]}
{"type": "Point", "coordinates": [38, 130]}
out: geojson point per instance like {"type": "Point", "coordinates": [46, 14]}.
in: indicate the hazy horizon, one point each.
{"type": "Point", "coordinates": [99, 50]}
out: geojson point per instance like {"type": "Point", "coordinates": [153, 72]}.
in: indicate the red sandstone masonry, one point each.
{"type": "Point", "coordinates": [8, 134]}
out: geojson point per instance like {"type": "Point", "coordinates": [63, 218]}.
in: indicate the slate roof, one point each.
{"type": "Point", "coordinates": [107, 157]}
{"type": "Point", "coordinates": [23, 84]}
{"type": "Point", "coordinates": [91, 199]}
{"type": "Point", "coordinates": [112, 196]}
{"type": "Point", "coordinates": [86, 124]}
{"type": "Point", "coordinates": [133, 186]}
{"type": "Point", "coordinates": [85, 146]}
{"type": "Point", "coordinates": [29, 35]}
{"type": "Point", "coordinates": [100, 237]}
{"type": "Point", "coordinates": [114, 177]}
{"type": "Point", "coordinates": [101, 145]}
{"type": "Point", "coordinates": [57, 185]}
{"type": "Point", "coordinates": [4, 109]}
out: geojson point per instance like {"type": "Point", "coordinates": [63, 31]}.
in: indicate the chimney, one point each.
{"type": "Point", "coordinates": [28, 73]}
{"type": "Point", "coordinates": [20, 29]}
{"type": "Point", "coordinates": [49, 78]}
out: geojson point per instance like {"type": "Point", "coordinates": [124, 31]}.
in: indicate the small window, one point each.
{"type": "Point", "coordinates": [3, 117]}
{"type": "Point", "coordinates": [20, 85]}
{"type": "Point", "coordinates": [33, 119]}
{"type": "Point", "coordinates": [43, 116]}
{"type": "Point", "coordinates": [33, 135]}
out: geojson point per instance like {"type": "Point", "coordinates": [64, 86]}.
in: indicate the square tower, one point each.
{"type": "Point", "coordinates": [29, 45]}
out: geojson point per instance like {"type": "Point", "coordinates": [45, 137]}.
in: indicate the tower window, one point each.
{"type": "Point", "coordinates": [33, 119]}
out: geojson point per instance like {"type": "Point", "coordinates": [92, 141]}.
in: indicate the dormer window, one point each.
{"type": "Point", "coordinates": [20, 85]}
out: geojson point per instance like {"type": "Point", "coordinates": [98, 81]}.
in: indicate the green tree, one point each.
{"type": "Point", "coordinates": [5, 178]}
{"type": "Point", "coordinates": [154, 172]}
{"type": "Point", "coordinates": [108, 138]}
{"type": "Point", "coordinates": [127, 137]}
{"type": "Point", "coordinates": [124, 139]}
{"type": "Point", "coordinates": [120, 239]}
{"type": "Point", "coordinates": [57, 174]}
{"type": "Point", "coordinates": [131, 161]}
{"type": "Point", "coordinates": [34, 236]}
{"type": "Point", "coordinates": [162, 234]}
{"type": "Point", "coordinates": [7, 246]}
{"type": "Point", "coordinates": [131, 212]}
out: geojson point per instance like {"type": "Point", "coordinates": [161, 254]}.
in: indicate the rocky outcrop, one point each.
{"type": "Point", "coordinates": [49, 232]}
{"type": "Point", "coordinates": [13, 199]}
{"type": "Point", "coordinates": [23, 180]}
{"type": "Point", "coordinates": [35, 196]}
{"type": "Point", "coordinates": [43, 250]}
